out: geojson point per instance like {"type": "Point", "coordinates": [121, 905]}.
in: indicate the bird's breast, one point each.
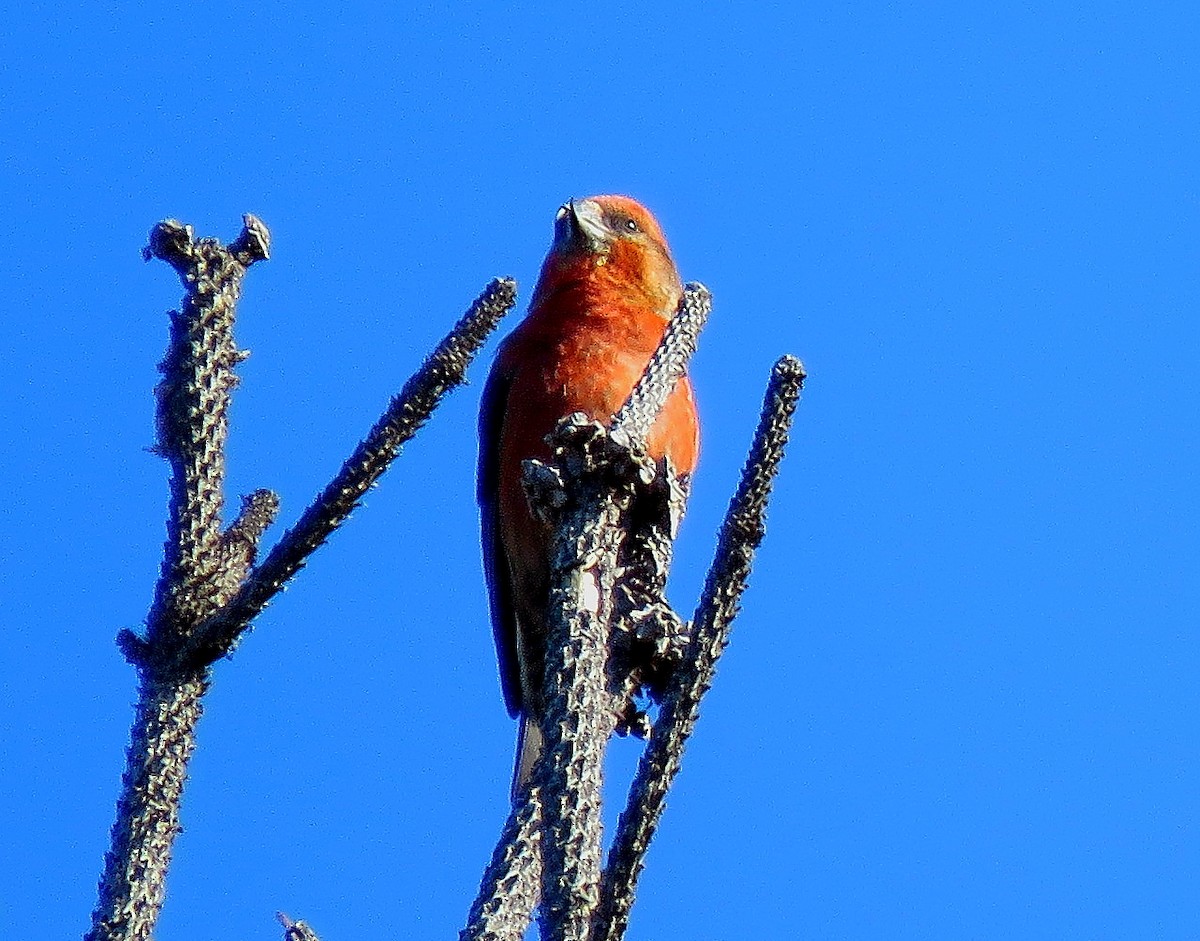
{"type": "Point", "coordinates": [592, 368]}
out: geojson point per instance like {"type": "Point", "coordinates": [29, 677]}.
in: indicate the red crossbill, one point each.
{"type": "Point", "coordinates": [607, 290]}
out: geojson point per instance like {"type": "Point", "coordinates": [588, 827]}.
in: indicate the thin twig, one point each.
{"type": "Point", "coordinates": [442, 371]}
{"type": "Point", "coordinates": [741, 533]}
{"type": "Point", "coordinates": [669, 362]}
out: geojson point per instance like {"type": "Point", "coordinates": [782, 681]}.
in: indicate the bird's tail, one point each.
{"type": "Point", "coordinates": [530, 743]}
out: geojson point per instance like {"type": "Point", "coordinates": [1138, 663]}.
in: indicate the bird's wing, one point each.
{"type": "Point", "coordinates": [495, 563]}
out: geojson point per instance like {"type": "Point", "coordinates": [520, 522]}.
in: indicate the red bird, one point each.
{"type": "Point", "coordinates": [607, 289]}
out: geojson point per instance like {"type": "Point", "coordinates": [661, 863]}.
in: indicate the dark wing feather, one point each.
{"type": "Point", "coordinates": [495, 564]}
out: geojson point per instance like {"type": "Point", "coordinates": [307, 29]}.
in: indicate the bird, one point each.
{"type": "Point", "coordinates": [606, 292]}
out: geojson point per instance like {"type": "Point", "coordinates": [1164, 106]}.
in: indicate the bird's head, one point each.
{"type": "Point", "coordinates": [612, 240]}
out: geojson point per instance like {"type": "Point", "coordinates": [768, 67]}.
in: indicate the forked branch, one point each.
{"type": "Point", "coordinates": [208, 592]}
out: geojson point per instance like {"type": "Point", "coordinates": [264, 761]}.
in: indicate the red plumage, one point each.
{"type": "Point", "coordinates": [606, 292]}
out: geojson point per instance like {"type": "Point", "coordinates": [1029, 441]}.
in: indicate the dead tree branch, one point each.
{"type": "Point", "coordinates": [193, 401]}
{"type": "Point", "coordinates": [444, 369]}
{"type": "Point", "coordinates": [207, 592]}
{"type": "Point", "coordinates": [512, 883]}
{"type": "Point", "coordinates": [741, 533]}
{"type": "Point", "coordinates": [600, 472]}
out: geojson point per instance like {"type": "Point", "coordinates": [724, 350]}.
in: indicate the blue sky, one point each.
{"type": "Point", "coordinates": [962, 698]}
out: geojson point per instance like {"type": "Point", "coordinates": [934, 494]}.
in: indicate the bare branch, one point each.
{"type": "Point", "coordinates": [192, 417]}
{"type": "Point", "coordinates": [741, 533]}
{"type": "Point", "coordinates": [595, 474]}
{"type": "Point", "coordinates": [135, 867]}
{"type": "Point", "coordinates": [241, 539]}
{"type": "Point", "coordinates": [442, 371]}
{"type": "Point", "coordinates": [295, 930]}
{"type": "Point", "coordinates": [512, 883]}
{"type": "Point", "coordinates": [614, 515]}
{"type": "Point", "coordinates": [204, 569]}
{"type": "Point", "coordinates": [598, 476]}
{"type": "Point", "coordinates": [586, 493]}
{"type": "Point", "coordinates": [193, 402]}
{"type": "Point", "coordinates": [669, 362]}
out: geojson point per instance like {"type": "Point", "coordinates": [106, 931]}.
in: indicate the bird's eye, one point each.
{"type": "Point", "coordinates": [627, 223]}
